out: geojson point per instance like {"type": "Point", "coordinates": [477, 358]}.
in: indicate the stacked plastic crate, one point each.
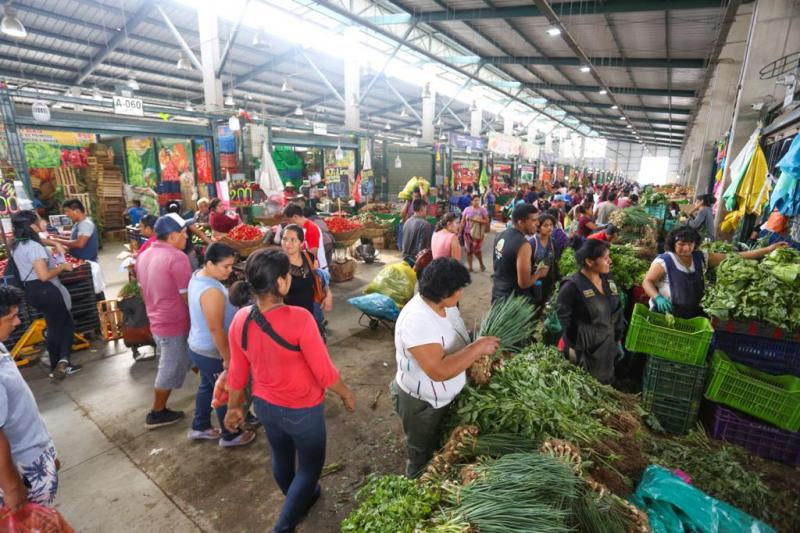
{"type": "Point", "coordinates": [80, 286]}
{"type": "Point", "coordinates": [755, 387]}
{"type": "Point", "coordinates": [677, 365]}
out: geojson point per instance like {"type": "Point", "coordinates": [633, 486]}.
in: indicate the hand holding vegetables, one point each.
{"type": "Point", "coordinates": [484, 346]}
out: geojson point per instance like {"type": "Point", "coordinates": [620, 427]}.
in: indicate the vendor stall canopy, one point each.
{"type": "Point", "coordinates": [616, 69]}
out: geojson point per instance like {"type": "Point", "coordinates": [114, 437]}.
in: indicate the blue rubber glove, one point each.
{"type": "Point", "coordinates": [620, 351]}
{"type": "Point", "coordinates": [663, 305]}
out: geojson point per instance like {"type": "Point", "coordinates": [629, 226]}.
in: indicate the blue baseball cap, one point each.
{"type": "Point", "coordinates": [167, 224]}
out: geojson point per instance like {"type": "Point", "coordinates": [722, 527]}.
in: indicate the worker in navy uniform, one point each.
{"type": "Point", "coordinates": [513, 268]}
{"type": "Point", "coordinates": [591, 314]}
{"type": "Point", "coordinates": [675, 282]}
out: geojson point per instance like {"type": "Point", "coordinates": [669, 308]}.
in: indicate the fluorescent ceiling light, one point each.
{"type": "Point", "coordinates": [614, 106]}
{"type": "Point", "coordinates": [602, 92]}
{"type": "Point", "coordinates": [585, 68]}
{"type": "Point", "coordinates": [553, 32]}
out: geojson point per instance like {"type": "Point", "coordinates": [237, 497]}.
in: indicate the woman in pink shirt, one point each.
{"type": "Point", "coordinates": [444, 242]}
{"type": "Point", "coordinates": [477, 217]}
{"type": "Point", "coordinates": [281, 348]}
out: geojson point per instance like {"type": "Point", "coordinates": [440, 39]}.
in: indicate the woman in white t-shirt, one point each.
{"type": "Point", "coordinates": [433, 350]}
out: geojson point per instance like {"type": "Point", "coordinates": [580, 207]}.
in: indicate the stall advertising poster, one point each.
{"type": "Point", "coordinates": [502, 144]}
{"type": "Point", "coordinates": [527, 173]}
{"type": "Point", "coordinates": [203, 161]}
{"type": "Point", "coordinates": [141, 160]}
{"type": "Point", "coordinates": [8, 197]}
{"type": "Point", "coordinates": [465, 173]}
{"type": "Point", "coordinates": [502, 175]}
{"type": "Point", "coordinates": [462, 142]}
{"type": "Point", "coordinates": [339, 173]}
{"type": "Point", "coordinates": [46, 149]}
{"type": "Point", "coordinates": [176, 165]}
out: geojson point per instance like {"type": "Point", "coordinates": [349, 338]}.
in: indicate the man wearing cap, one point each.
{"type": "Point", "coordinates": [164, 272]}
{"type": "Point", "coordinates": [289, 192]}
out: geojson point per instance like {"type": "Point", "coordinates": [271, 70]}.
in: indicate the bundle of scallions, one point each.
{"type": "Point", "coordinates": [511, 320]}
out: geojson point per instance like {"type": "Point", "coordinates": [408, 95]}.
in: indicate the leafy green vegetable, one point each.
{"type": "Point", "coordinates": [627, 269]}
{"type": "Point", "coordinates": [391, 503]}
{"type": "Point", "coordinates": [654, 198]}
{"type": "Point", "coordinates": [511, 320]}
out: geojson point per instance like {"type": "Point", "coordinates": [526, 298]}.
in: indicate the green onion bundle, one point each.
{"type": "Point", "coordinates": [511, 320]}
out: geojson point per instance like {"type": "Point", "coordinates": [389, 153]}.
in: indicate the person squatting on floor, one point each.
{"type": "Point", "coordinates": [280, 346]}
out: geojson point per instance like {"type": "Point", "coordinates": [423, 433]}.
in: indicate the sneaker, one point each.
{"type": "Point", "coordinates": [251, 422]}
{"type": "Point", "coordinates": [60, 371]}
{"type": "Point", "coordinates": [242, 439]}
{"type": "Point", "coordinates": [204, 434]}
{"type": "Point", "coordinates": [73, 369]}
{"type": "Point", "coordinates": [157, 419]}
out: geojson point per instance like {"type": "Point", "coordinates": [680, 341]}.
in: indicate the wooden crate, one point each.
{"type": "Point", "coordinates": [110, 319]}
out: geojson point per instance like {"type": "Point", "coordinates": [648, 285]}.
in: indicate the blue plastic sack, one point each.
{"type": "Point", "coordinates": [377, 305]}
{"type": "Point", "coordinates": [674, 505]}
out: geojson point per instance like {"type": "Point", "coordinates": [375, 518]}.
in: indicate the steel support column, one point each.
{"type": "Point", "coordinates": [209, 51]}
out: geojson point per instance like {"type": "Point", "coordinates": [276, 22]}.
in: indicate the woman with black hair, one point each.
{"type": "Point", "coordinates": [211, 313]}
{"type": "Point", "coordinates": [38, 271]}
{"type": "Point", "coordinates": [219, 220]}
{"type": "Point", "coordinates": [280, 346]}
{"type": "Point", "coordinates": [591, 314]}
{"type": "Point", "coordinates": [675, 282]}
{"type": "Point", "coordinates": [701, 218]}
{"type": "Point", "coordinates": [304, 269]}
{"type": "Point", "coordinates": [433, 350]}
{"type": "Point", "coordinates": [543, 254]}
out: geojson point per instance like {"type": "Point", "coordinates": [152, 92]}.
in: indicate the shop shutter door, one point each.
{"type": "Point", "coordinates": [415, 163]}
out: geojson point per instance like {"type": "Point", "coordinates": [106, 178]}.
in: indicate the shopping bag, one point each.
{"type": "Point", "coordinates": [33, 518]}
{"type": "Point", "coordinates": [397, 281]}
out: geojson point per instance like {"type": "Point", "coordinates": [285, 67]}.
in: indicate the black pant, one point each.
{"type": "Point", "coordinates": [45, 297]}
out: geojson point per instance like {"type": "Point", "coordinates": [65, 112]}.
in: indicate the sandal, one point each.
{"type": "Point", "coordinates": [204, 434]}
{"type": "Point", "coordinates": [242, 439]}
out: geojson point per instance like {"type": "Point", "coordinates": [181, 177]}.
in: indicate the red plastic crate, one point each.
{"type": "Point", "coordinates": [755, 436]}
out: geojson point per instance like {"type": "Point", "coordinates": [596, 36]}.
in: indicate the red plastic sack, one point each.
{"type": "Point", "coordinates": [220, 396]}
{"type": "Point", "coordinates": [34, 518]}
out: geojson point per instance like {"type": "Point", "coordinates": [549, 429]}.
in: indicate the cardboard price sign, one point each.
{"type": "Point", "coordinates": [335, 174]}
{"type": "Point", "coordinates": [240, 194]}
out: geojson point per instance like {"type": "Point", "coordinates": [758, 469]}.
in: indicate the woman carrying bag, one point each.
{"type": "Point", "coordinates": [280, 346]}
{"type": "Point", "coordinates": [475, 222]}
{"type": "Point", "coordinates": [308, 286]}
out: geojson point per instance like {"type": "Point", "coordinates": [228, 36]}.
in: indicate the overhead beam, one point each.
{"type": "Point", "coordinates": [181, 41]}
{"type": "Point", "coordinates": [324, 78]}
{"type": "Point", "coordinates": [637, 62]}
{"type": "Point", "coordinates": [644, 109]}
{"type": "Point", "coordinates": [566, 9]}
{"type": "Point", "coordinates": [231, 39]}
{"type": "Point", "coordinates": [115, 41]}
{"type": "Point", "coordinates": [616, 90]}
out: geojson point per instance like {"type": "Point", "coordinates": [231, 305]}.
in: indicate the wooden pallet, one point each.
{"type": "Point", "coordinates": [110, 319]}
{"type": "Point", "coordinates": [67, 179]}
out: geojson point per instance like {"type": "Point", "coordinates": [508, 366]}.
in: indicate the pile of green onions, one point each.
{"type": "Point", "coordinates": [510, 320]}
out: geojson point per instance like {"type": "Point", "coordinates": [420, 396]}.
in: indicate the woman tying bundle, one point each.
{"type": "Point", "coordinates": [433, 350]}
{"type": "Point", "coordinates": [280, 346]}
{"type": "Point", "coordinates": [444, 242]}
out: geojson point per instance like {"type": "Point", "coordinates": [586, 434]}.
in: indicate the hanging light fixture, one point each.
{"type": "Point", "coordinates": [338, 153]}
{"type": "Point", "coordinates": [443, 136]}
{"type": "Point", "coordinates": [468, 149]}
{"type": "Point", "coordinates": [286, 86]}
{"type": "Point", "coordinates": [260, 38]}
{"type": "Point", "coordinates": [473, 107]}
{"type": "Point", "coordinates": [585, 68]}
{"type": "Point", "coordinates": [629, 126]}
{"type": "Point", "coordinates": [96, 93]}
{"type": "Point", "coordinates": [426, 90]}
{"type": "Point", "coordinates": [234, 124]}
{"type": "Point", "coordinates": [554, 31]}
{"type": "Point", "coordinates": [229, 102]}
{"type": "Point", "coordinates": [354, 101]}
{"type": "Point", "coordinates": [40, 111]}
{"type": "Point", "coordinates": [405, 138]}
{"type": "Point", "coordinates": [398, 163]}
{"type": "Point", "coordinates": [188, 106]}
{"type": "Point", "coordinates": [403, 113]}
{"type": "Point", "coordinates": [132, 84]}
{"type": "Point", "coordinates": [387, 127]}
{"type": "Point", "coordinates": [623, 118]}
{"type": "Point", "coordinates": [439, 122]}
{"type": "Point", "coordinates": [615, 106]}
{"type": "Point", "coordinates": [466, 128]}
{"type": "Point", "coordinates": [183, 62]}
{"type": "Point", "coordinates": [11, 25]}
{"type": "Point", "coordinates": [602, 92]}
{"type": "Point", "coordinates": [419, 132]}
{"type": "Point", "coordinates": [298, 111]}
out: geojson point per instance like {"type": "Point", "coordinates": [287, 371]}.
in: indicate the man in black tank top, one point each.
{"type": "Point", "coordinates": [513, 269]}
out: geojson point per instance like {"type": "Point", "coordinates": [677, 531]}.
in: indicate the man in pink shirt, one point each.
{"type": "Point", "coordinates": [164, 271]}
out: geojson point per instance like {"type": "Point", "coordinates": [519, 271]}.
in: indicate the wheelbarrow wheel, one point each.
{"type": "Point", "coordinates": [374, 323]}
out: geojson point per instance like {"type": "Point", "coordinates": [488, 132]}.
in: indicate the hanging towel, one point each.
{"type": "Point", "coordinates": [786, 197]}
{"type": "Point", "coordinates": [738, 169]}
{"type": "Point", "coordinates": [753, 192]}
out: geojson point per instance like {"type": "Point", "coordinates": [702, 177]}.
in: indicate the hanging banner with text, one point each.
{"type": "Point", "coordinates": [502, 144]}
{"type": "Point", "coordinates": [461, 141]}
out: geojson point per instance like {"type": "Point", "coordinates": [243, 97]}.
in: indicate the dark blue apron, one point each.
{"type": "Point", "coordinates": [686, 290]}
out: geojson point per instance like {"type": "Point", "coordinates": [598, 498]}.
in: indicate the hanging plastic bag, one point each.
{"type": "Point", "coordinates": [376, 305]}
{"type": "Point", "coordinates": [673, 505]}
{"type": "Point", "coordinates": [220, 395]}
{"type": "Point", "coordinates": [397, 281]}
{"type": "Point", "coordinates": [33, 517]}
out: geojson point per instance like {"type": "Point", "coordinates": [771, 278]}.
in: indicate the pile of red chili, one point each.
{"type": "Point", "coordinates": [245, 232]}
{"type": "Point", "coordinates": [342, 225]}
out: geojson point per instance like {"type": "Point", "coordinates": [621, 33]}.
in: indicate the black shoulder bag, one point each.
{"type": "Point", "coordinates": [258, 317]}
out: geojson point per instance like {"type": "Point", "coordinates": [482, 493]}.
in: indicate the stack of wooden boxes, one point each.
{"type": "Point", "coordinates": [104, 183]}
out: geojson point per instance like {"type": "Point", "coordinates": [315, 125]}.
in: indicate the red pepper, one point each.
{"type": "Point", "coordinates": [245, 232]}
{"type": "Point", "coordinates": [342, 225]}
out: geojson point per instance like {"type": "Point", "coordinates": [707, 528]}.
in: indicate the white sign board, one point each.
{"type": "Point", "coordinates": [320, 128]}
{"type": "Point", "coordinates": [128, 106]}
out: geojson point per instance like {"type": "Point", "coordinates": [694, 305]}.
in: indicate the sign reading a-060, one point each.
{"type": "Point", "coordinates": [128, 106]}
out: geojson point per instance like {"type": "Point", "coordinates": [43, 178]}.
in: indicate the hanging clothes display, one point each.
{"type": "Point", "coordinates": [786, 197]}
{"type": "Point", "coordinates": [748, 194]}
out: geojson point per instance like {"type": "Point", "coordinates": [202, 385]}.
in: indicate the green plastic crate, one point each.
{"type": "Point", "coordinates": [658, 211]}
{"type": "Point", "coordinates": [686, 342]}
{"type": "Point", "coordinates": [673, 392]}
{"type": "Point", "coordinates": [670, 224]}
{"type": "Point", "coordinates": [775, 399]}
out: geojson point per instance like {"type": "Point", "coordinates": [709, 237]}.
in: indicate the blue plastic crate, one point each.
{"type": "Point", "coordinates": [768, 355]}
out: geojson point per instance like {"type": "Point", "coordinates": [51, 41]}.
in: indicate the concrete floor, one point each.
{"type": "Point", "coordinates": [118, 476]}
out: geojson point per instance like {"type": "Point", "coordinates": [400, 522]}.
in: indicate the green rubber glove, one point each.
{"type": "Point", "coordinates": [663, 305]}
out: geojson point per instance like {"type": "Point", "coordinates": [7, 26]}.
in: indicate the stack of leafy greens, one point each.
{"type": "Point", "coordinates": [653, 198]}
{"type": "Point", "coordinates": [539, 394]}
{"type": "Point", "coordinates": [627, 269]}
{"type": "Point", "coordinates": [635, 226]}
{"type": "Point", "coordinates": [511, 320]}
{"type": "Point", "coordinates": [768, 292]}
{"type": "Point", "coordinates": [391, 503]}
